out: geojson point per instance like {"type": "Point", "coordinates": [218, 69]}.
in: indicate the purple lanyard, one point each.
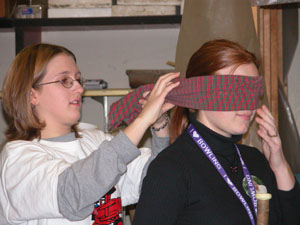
{"type": "Point", "coordinates": [213, 159]}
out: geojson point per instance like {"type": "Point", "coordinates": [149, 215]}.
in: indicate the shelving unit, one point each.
{"type": "Point", "coordinates": [28, 31]}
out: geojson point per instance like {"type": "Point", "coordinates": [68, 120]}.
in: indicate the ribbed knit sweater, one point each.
{"type": "Point", "coordinates": [182, 187]}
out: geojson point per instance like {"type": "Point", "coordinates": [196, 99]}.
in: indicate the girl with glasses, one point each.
{"type": "Point", "coordinates": [55, 170]}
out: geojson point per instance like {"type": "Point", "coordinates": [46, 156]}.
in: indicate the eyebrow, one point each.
{"type": "Point", "coordinates": [67, 73]}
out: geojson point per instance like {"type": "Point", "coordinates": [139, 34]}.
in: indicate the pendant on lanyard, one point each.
{"type": "Point", "coordinates": [213, 159]}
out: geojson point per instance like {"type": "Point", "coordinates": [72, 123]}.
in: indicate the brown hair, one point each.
{"type": "Point", "coordinates": [209, 58]}
{"type": "Point", "coordinates": [28, 68]}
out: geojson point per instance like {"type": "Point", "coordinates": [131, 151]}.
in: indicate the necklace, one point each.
{"type": "Point", "coordinates": [231, 160]}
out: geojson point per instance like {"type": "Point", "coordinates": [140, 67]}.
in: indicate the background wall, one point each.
{"type": "Point", "coordinates": [7, 54]}
{"type": "Point", "coordinates": [107, 53]}
{"type": "Point", "coordinates": [104, 54]}
{"type": "Point", "coordinates": [292, 66]}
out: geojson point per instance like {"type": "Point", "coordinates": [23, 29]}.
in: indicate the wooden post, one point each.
{"type": "Point", "coordinates": [2, 8]}
{"type": "Point", "coordinates": [255, 10]}
{"type": "Point", "coordinates": [270, 34]}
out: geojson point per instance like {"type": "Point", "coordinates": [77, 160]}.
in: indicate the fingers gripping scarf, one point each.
{"type": "Point", "coordinates": [212, 93]}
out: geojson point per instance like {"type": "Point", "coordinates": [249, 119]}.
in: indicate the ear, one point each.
{"type": "Point", "coordinates": [34, 97]}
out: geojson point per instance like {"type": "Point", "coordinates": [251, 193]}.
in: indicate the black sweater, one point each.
{"type": "Point", "coordinates": [183, 187]}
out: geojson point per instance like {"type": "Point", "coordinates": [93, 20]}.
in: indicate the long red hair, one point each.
{"type": "Point", "coordinates": [209, 58]}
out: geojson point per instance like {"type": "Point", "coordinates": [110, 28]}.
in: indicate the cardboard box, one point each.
{"type": "Point", "coordinates": [81, 12]}
{"type": "Point", "coordinates": [149, 2]}
{"type": "Point", "coordinates": [140, 10]}
{"type": "Point", "coordinates": [79, 3]}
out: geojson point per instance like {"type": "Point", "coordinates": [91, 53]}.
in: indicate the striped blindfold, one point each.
{"type": "Point", "coordinates": [212, 93]}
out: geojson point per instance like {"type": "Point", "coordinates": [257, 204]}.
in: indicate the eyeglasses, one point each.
{"type": "Point", "coordinates": [67, 82]}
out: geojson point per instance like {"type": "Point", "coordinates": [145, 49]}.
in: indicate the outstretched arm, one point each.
{"type": "Point", "coordinates": [153, 109]}
{"type": "Point", "coordinates": [90, 178]}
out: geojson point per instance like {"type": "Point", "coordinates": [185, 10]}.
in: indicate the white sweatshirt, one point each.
{"type": "Point", "coordinates": [30, 170]}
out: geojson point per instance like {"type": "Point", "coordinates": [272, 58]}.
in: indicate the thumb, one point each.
{"type": "Point", "coordinates": [146, 93]}
{"type": "Point", "coordinates": [167, 106]}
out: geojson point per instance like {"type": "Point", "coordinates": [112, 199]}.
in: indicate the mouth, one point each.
{"type": "Point", "coordinates": [245, 116]}
{"type": "Point", "coordinates": [76, 102]}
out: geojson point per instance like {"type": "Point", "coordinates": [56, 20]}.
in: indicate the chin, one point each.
{"type": "Point", "coordinates": [243, 132]}
{"type": "Point", "coordinates": [76, 118]}
{"type": "Point", "coordinates": [240, 132]}
{"type": "Point", "coordinates": [73, 122]}
{"type": "Point", "coordinates": [243, 128]}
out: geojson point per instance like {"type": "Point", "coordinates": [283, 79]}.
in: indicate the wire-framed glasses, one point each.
{"type": "Point", "coordinates": [67, 82]}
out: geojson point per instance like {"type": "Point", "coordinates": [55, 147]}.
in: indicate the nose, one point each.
{"type": "Point", "coordinates": [78, 87]}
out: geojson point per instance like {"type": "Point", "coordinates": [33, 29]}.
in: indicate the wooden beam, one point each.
{"type": "Point", "coordinates": [270, 34]}
{"type": "Point", "coordinates": [266, 51]}
{"type": "Point", "coordinates": [274, 61]}
{"type": "Point", "coordinates": [255, 11]}
{"type": "Point", "coordinates": [2, 8]}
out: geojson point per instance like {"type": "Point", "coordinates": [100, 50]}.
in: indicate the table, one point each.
{"type": "Point", "coordinates": [101, 96]}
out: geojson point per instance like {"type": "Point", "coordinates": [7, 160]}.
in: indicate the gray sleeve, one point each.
{"type": "Point", "coordinates": [158, 144]}
{"type": "Point", "coordinates": [87, 180]}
